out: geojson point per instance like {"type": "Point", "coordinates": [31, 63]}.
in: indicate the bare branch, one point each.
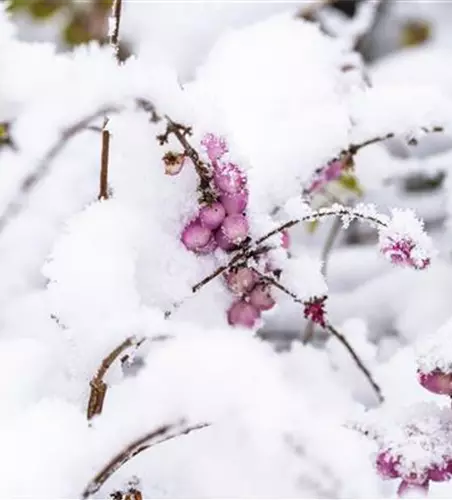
{"type": "Point", "coordinates": [103, 184]}
{"type": "Point", "coordinates": [357, 360]}
{"type": "Point", "coordinates": [360, 364]}
{"type": "Point", "coordinates": [114, 38]}
{"type": "Point", "coordinates": [156, 436]}
{"type": "Point", "coordinates": [43, 167]}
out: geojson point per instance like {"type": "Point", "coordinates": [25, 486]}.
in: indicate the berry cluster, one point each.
{"type": "Point", "coordinates": [223, 224]}
{"type": "Point", "coordinates": [423, 451]}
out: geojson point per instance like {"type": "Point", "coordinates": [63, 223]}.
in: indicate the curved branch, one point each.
{"type": "Point", "coordinates": [156, 436]}
{"type": "Point", "coordinates": [330, 328]}
{"type": "Point", "coordinates": [43, 167]}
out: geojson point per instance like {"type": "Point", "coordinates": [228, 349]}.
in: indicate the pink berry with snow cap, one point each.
{"type": "Point", "coordinates": [412, 490]}
{"type": "Point", "coordinates": [285, 236]}
{"type": "Point", "coordinates": [436, 381]}
{"type": "Point", "coordinates": [211, 246]}
{"type": "Point", "coordinates": [211, 216]}
{"type": "Point", "coordinates": [235, 203]}
{"type": "Point", "coordinates": [215, 146]}
{"type": "Point", "coordinates": [261, 298]}
{"type": "Point", "coordinates": [223, 241]}
{"type": "Point", "coordinates": [386, 465]}
{"type": "Point", "coordinates": [235, 228]}
{"type": "Point", "coordinates": [242, 313]}
{"type": "Point", "coordinates": [241, 281]}
{"type": "Point", "coordinates": [229, 178]}
{"type": "Point", "coordinates": [439, 473]}
{"type": "Point", "coordinates": [195, 236]}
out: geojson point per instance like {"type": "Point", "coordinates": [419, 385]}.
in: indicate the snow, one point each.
{"type": "Point", "coordinates": [79, 275]}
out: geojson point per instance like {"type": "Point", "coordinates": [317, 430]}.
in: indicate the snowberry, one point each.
{"type": "Point", "coordinates": [241, 281]}
{"type": "Point", "coordinates": [439, 474]}
{"type": "Point", "coordinates": [234, 203]}
{"type": "Point", "coordinates": [211, 216]}
{"type": "Point", "coordinates": [412, 490]}
{"type": "Point", "coordinates": [260, 297]}
{"type": "Point", "coordinates": [211, 246]}
{"type": "Point", "coordinates": [235, 228]}
{"type": "Point", "coordinates": [215, 146]}
{"type": "Point", "coordinates": [223, 241]}
{"type": "Point", "coordinates": [195, 236]}
{"type": "Point", "coordinates": [386, 465]}
{"type": "Point", "coordinates": [436, 381]}
{"type": "Point", "coordinates": [285, 236]}
{"type": "Point", "coordinates": [400, 252]}
{"type": "Point", "coordinates": [229, 178]}
{"type": "Point", "coordinates": [242, 313]}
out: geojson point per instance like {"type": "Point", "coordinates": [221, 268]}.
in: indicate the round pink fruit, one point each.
{"type": "Point", "coordinates": [195, 236]}
{"type": "Point", "coordinates": [436, 381]}
{"type": "Point", "coordinates": [387, 465]}
{"type": "Point", "coordinates": [241, 281]}
{"type": "Point", "coordinates": [260, 297]}
{"type": "Point", "coordinates": [229, 178]}
{"type": "Point", "coordinates": [235, 228]}
{"type": "Point", "coordinates": [211, 216]}
{"type": "Point", "coordinates": [242, 313]}
{"type": "Point", "coordinates": [235, 203]}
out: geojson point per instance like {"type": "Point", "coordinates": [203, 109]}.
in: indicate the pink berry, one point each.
{"type": "Point", "coordinates": [234, 203]}
{"type": "Point", "coordinates": [223, 241]}
{"type": "Point", "coordinates": [209, 248]}
{"type": "Point", "coordinates": [412, 490]}
{"type": "Point", "coordinates": [285, 239]}
{"type": "Point", "coordinates": [437, 382]}
{"type": "Point", "coordinates": [235, 228]}
{"type": "Point", "coordinates": [241, 280]}
{"type": "Point", "coordinates": [439, 473]}
{"type": "Point", "coordinates": [260, 297]}
{"type": "Point", "coordinates": [387, 465]}
{"type": "Point", "coordinates": [242, 313]}
{"type": "Point", "coordinates": [229, 178]}
{"type": "Point", "coordinates": [211, 216]}
{"type": "Point", "coordinates": [195, 236]}
{"type": "Point", "coordinates": [215, 146]}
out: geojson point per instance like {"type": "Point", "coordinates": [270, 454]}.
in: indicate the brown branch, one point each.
{"type": "Point", "coordinates": [43, 167]}
{"type": "Point", "coordinates": [341, 338]}
{"type": "Point", "coordinates": [156, 436]}
{"type": "Point", "coordinates": [97, 384]}
{"type": "Point", "coordinates": [255, 248]}
{"type": "Point", "coordinates": [181, 132]}
{"type": "Point", "coordinates": [332, 331]}
{"type": "Point", "coordinates": [114, 39]}
{"type": "Point", "coordinates": [103, 184]}
{"type": "Point", "coordinates": [98, 387]}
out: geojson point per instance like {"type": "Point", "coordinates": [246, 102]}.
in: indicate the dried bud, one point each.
{"type": "Point", "coordinates": [173, 162]}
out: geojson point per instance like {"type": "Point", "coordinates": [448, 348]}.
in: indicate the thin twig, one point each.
{"type": "Point", "coordinates": [105, 152]}
{"type": "Point", "coordinates": [156, 436]}
{"type": "Point", "coordinates": [97, 384]}
{"type": "Point", "coordinates": [357, 360]}
{"type": "Point", "coordinates": [250, 250]}
{"type": "Point", "coordinates": [181, 132]}
{"type": "Point", "coordinates": [98, 387]}
{"type": "Point", "coordinates": [114, 39]}
{"type": "Point", "coordinates": [331, 330]}
{"type": "Point", "coordinates": [43, 167]}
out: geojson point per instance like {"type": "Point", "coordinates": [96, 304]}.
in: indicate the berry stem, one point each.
{"type": "Point", "coordinates": [332, 330]}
